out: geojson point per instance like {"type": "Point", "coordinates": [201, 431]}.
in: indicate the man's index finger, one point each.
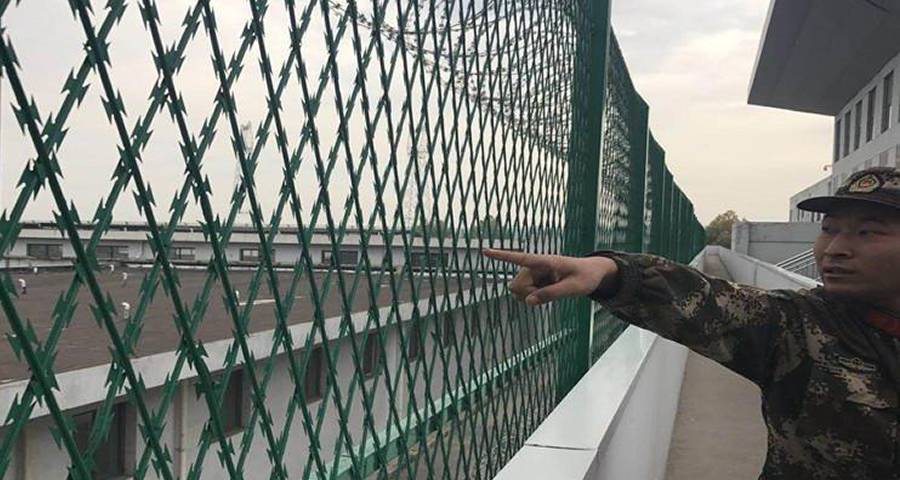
{"type": "Point", "coordinates": [519, 258]}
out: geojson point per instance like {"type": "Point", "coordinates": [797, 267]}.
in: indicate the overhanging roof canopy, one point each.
{"type": "Point", "coordinates": [815, 55]}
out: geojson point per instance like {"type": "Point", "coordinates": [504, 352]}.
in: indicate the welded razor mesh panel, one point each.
{"type": "Point", "coordinates": [333, 317]}
{"type": "Point", "coordinates": [618, 148]}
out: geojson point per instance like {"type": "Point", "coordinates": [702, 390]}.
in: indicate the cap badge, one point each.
{"type": "Point", "coordinates": [865, 184]}
{"type": "Point", "coordinates": [892, 183]}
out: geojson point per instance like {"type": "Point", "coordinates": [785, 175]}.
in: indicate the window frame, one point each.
{"type": "Point", "coordinates": [327, 257]}
{"type": "Point", "coordinates": [448, 327]}
{"type": "Point", "coordinates": [116, 252]}
{"type": "Point", "coordinates": [887, 101]}
{"type": "Point", "coordinates": [313, 378]}
{"type": "Point", "coordinates": [244, 255]}
{"type": "Point", "coordinates": [414, 341]}
{"type": "Point", "coordinates": [234, 421]}
{"type": "Point", "coordinates": [46, 247]}
{"type": "Point", "coordinates": [847, 126]}
{"type": "Point", "coordinates": [120, 438]}
{"type": "Point", "coordinates": [177, 254]}
{"type": "Point", "coordinates": [870, 114]}
{"type": "Point", "coordinates": [857, 125]}
{"type": "Point", "coordinates": [373, 354]}
{"type": "Point", "coordinates": [837, 139]}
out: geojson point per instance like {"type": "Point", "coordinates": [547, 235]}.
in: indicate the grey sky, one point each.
{"type": "Point", "coordinates": [692, 62]}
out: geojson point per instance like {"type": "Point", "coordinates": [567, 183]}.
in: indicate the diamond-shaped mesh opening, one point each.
{"type": "Point", "coordinates": [259, 254]}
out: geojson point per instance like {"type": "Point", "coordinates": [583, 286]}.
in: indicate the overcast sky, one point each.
{"type": "Point", "coordinates": [692, 62]}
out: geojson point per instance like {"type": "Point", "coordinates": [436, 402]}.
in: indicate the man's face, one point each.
{"type": "Point", "coordinates": [858, 253]}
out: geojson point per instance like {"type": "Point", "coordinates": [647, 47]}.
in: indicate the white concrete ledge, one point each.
{"type": "Point", "coordinates": [751, 271]}
{"type": "Point", "coordinates": [616, 422]}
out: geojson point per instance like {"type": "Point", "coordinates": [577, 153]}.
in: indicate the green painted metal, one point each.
{"type": "Point", "coordinates": [585, 177]}
{"type": "Point", "coordinates": [454, 125]}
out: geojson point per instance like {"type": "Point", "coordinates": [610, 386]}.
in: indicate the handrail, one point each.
{"type": "Point", "coordinates": [804, 263]}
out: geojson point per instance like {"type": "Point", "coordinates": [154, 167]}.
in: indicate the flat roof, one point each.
{"type": "Point", "coordinates": [84, 344]}
{"type": "Point", "coordinates": [816, 55]}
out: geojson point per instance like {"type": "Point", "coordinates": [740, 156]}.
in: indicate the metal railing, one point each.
{"type": "Point", "coordinates": [431, 128]}
{"type": "Point", "coordinates": [803, 263]}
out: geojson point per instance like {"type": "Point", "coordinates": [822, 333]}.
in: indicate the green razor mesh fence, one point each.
{"type": "Point", "coordinates": [327, 315]}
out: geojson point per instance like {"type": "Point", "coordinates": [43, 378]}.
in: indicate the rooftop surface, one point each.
{"type": "Point", "coordinates": [85, 344]}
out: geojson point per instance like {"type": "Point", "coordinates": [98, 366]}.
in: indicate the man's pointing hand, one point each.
{"type": "Point", "coordinates": [546, 278]}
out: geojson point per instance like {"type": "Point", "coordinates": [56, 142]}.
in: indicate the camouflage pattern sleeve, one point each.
{"type": "Point", "coordinates": [751, 331]}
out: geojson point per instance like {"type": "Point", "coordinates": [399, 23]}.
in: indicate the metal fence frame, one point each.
{"type": "Point", "coordinates": [565, 108]}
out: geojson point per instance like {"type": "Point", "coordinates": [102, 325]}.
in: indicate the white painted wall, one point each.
{"type": "Point", "coordinates": [287, 247]}
{"type": "Point", "coordinates": [750, 271]}
{"type": "Point", "coordinates": [617, 421]}
{"type": "Point", "coordinates": [773, 242]}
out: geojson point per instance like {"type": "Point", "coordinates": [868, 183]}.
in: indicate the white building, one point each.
{"type": "Point", "coordinates": [42, 244]}
{"type": "Point", "coordinates": [842, 59]}
{"type": "Point", "coordinates": [82, 389]}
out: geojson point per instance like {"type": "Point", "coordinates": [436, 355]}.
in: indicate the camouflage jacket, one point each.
{"type": "Point", "coordinates": [828, 380]}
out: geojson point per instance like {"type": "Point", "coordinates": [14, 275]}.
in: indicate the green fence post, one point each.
{"type": "Point", "coordinates": [653, 213]}
{"type": "Point", "coordinates": [640, 137]}
{"type": "Point", "coordinates": [667, 213]}
{"type": "Point", "coordinates": [583, 184]}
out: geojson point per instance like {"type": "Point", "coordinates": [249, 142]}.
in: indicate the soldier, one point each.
{"type": "Point", "coordinates": [827, 360]}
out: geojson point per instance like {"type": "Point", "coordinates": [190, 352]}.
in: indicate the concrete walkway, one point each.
{"type": "Point", "coordinates": [719, 432]}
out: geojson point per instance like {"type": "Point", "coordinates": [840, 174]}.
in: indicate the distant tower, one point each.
{"type": "Point", "coordinates": [243, 215]}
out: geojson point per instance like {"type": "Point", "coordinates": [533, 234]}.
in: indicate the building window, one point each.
{"type": "Point", "coordinates": [837, 139]}
{"type": "Point", "coordinates": [111, 252]}
{"type": "Point", "coordinates": [870, 116]}
{"type": "Point", "coordinates": [183, 253]}
{"type": "Point", "coordinates": [847, 133]}
{"type": "Point", "coordinates": [372, 354]}
{"type": "Point", "coordinates": [414, 342]}
{"type": "Point", "coordinates": [110, 459]}
{"type": "Point", "coordinates": [421, 259]}
{"type": "Point", "coordinates": [449, 327]}
{"type": "Point", "coordinates": [345, 258]}
{"type": "Point", "coordinates": [250, 254]}
{"type": "Point", "coordinates": [887, 101]}
{"type": "Point", "coordinates": [44, 251]}
{"type": "Point", "coordinates": [417, 259]}
{"type": "Point", "coordinates": [857, 124]}
{"type": "Point", "coordinates": [232, 410]}
{"type": "Point", "coordinates": [312, 378]}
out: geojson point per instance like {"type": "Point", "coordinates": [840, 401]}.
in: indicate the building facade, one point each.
{"type": "Point", "coordinates": [840, 59]}
{"type": "Point", "coordinates": [42, 245]}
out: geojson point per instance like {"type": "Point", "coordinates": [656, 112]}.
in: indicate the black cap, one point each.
{"type": "Point", "coordinates": [877, 185]}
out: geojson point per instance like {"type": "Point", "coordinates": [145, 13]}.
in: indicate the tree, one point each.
{"type": "Point", "coordinates": [718, 232]}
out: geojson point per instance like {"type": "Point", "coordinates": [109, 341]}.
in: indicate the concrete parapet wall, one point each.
{"type": "Point", "coordinates": [616, 423]}
{"type": "Point", "coordinates": [751, 271]}
{"type": "Point", "coordinates": [773, 242]}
